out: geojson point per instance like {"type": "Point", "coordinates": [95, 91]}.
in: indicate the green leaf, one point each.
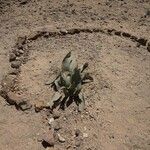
{"type": "Point", "coordinates": [69, 63]}
{"type": "Point", "coordinates": [57, 83]}
{"type": "Point", "coordinates": [81, 102]}
{"type": "Point", "coordinates": [83, 67]}
{"type": "Point", "coordinates": [78, 89]}
{"type": "Point", "coordinates": [66, 79]}
{"type": "Point", "coordinates": [87, 76]}
{"type": "Point", "coordinates": [73, 64]}
{"type": "Point", "coordinates": [76, 77]}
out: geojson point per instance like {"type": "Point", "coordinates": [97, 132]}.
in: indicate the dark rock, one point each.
{"type": "Point", "coordinates": [12, 57]}
{"type": "Point", "coordinates": [133, 38]}
{"type": "Point", "coordinates": [117, 33]}
{"type": "Point", "coordinates": [78, 132]}
{"type": "Point", "coordinates": [124, 34]}
{"type": "Point", "coordinates": [148, 13]}
{"type": "Point", "coordinates": [148, 47]}
{"type": "Point", "coordinates": [16, 64]}
{"type": "Point", "coordinates": [142, 41]}
{"type": "Point", "coordinates": [23, 2]}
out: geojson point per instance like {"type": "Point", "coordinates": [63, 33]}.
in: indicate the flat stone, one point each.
{"type": "Point", "coordinates": [24, 105]}
{"type": "Point", "coordinates": [48, 139]}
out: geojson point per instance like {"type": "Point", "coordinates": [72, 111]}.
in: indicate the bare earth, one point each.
{"type": "Point", "coordinates": [117, 113]}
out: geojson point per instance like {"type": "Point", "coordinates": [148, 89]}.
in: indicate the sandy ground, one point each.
{"type": "Point", "coordinates": [117, 114]}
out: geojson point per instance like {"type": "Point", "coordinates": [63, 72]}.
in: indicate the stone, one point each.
{"type": "Point", "coordinates": [48, 139]}
{"type": "Point", "coordinates": [60, 138]}
{"type": "Point", "coordinates": [56, 126]}
{"type": "Point", "coordinates": [77, 132]}
{"type": "Point", "coordinates": [56, 114]}
{"type": "Point", "coordinates": [12, 57]}
{"type": "Point", "coordinates": [18, 100]}
{"type": "Point", "coordinates": [85, 135]}
{"type": "Point", "coordinates": [13, 98]}
{"type": "Point", "coordinates": [14, 71]}
{"type": "Point", "coordinates": [16, 64]}
{"type": "Point", "coordinates": [38, 106]}
{"type": "Point", "coordinates": [21, 51]}
{"type": "Point", "coordinates": [24, 105]}
{"type": "Point", "coordinates": [50, 121]}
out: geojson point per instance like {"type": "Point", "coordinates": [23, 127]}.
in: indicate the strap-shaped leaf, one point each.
{"type": "Point", "coordinates": [83, 67]}
{"type": "Point", "coordinates": [66, 79]}
{"type": "Point", "coordinates": [66, 62]}
{"type": "Point", "coordinates": [57, 84]}
{"type": "Point", "coordinates": [69, 63]}
{"type": "Point", "coordinates": [87, 76]}
{"type": "Point", "coordinates": [73, 64]}
{"type": "Point", "coordinates": [81, 102]}
{"type": "Point", "coordinates": [78, 89]}
{"type": "Point", "coordinates": [76, 77]}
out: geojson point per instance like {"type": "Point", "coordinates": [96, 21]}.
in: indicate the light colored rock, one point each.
{"type": "Point", "coordinates": [60, 138]}
{"type": "Point", "coordinates": [85, 135]}
{"type": "Point", "coordinates": [51, 121]}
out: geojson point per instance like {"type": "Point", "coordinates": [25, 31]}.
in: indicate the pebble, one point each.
{"type": "Point", "coordinates": [60, 138]}
{"type": "Point", "coordinates": [77, 132]}
{"type": "Point", "coordinates": [85, 135]}
{"type": "Point", "coordinates": [21, 51]}
{"type": "Point", "coordinates": [56, 126]}
{"type": "Point", "coordinates": [50, 121]}
{"type": "Point", "coordinates": [56, 114]}
{"type": "Point", "coordinates": [16, 64]}
{"type": "Point", "coordinates": [12, 57]}
{"type": "Point", "coordinates": [14, 71]}
{"type": "Point", "coordinates": [24, 105]}
{"type": "Point", "coordinates": [48, 139]}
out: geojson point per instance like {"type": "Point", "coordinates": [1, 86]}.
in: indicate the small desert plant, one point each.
{"type": "Point", "coordinates": [68, 83]}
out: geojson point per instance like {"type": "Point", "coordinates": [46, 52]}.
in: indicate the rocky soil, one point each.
{"type": "Point", "coordinates": [112, 36]}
